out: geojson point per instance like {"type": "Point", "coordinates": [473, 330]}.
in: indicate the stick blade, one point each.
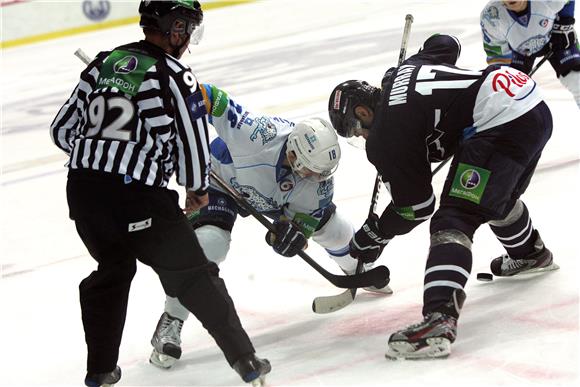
{"type": "Point", "coordinates": [329, 304]}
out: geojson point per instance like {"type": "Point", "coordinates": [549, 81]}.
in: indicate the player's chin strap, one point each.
{"type": "Point", "coordinates": [339, 301]}
{"type": "Point", "coordinates": [375, 277]}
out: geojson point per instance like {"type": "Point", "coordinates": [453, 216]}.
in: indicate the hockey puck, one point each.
{"type": "Point", "coordinates": [484, 277]}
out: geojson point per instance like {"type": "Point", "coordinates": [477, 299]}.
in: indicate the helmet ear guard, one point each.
{"type": "Point", "coordinates": [315, 146]}
{"type": "Point", "coordinates": [344, 99]}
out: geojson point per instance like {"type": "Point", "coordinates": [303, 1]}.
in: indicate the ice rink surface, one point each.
{"type": "Point", "coordinates": [284, 57]}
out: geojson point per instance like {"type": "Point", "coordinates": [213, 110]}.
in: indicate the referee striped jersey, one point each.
{"type": "Point", "coordinates": [137, 111]}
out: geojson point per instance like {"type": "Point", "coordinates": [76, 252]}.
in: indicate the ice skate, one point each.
{"type": "Point", "coordinates": [432, 337]}
{"type": "Point", "coordinates": [105, 379]}
{"type": "Point", "coordinates": [252, 369]}
{"type": "Point", "coordinates": [538, 261]}
{"type": "Point", "coordinates": [166, 341]}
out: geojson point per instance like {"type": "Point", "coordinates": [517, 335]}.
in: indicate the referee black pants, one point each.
{"type": "Point", "coordinates": [120, 223]}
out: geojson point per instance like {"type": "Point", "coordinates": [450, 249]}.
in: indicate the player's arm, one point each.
{"type": "Point", "coordinates": [407, 175]}
{"type": "Point", "coordinates": [193, 152]}
{"type": "Point", "coordinates": [495, 45]}
{"type": "Point", "coordinates": [563, 33]}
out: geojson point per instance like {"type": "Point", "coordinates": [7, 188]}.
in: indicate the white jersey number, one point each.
{"type": "Point", "coordinates": [425, 85]}
{"type": "Point", "coordinates": [100, 108]}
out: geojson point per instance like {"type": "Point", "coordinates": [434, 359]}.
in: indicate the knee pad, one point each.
{"type": "Point", "coordinates": [214, 241]}
{"type": "Point", "coordinates": [460, 219]}
{"type": "Point", "coordinates": [515, 213]}
{"type": "Point", "coordinates": [571, 81]}
{"type": "Point", "coordinates": [450, 236]}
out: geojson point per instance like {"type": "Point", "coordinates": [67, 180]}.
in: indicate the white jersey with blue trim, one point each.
{"type": "Point", "coordinates": [249, 154]}
{"type": "Point", "coordinates": [505, 31]}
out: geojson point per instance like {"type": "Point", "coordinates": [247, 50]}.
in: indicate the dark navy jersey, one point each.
{"type": "Point", "coordinates": [427, 107]}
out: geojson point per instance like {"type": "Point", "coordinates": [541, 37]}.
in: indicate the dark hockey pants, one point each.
{"type": "Point", "coordinates": [510, 152]}
{"type": "Point", "coordinates": [105, 210]}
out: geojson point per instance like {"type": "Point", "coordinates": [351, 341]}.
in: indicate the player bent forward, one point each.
{"type": "Point", "coordinates": [426, 111]}
{"type": "Point", "coordinates": [284, 170]}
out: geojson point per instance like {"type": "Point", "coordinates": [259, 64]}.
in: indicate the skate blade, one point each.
{"type": "Point", "coordinates": [259, 382]}
{"type": "Point", "coordinates": [551, 267]}
{"type": "Point", "coordinates": [161, 360]}
{"type": "Point", "coordinates": [437, 347]}
{"type": "Point", "coordinates": [384, 291]}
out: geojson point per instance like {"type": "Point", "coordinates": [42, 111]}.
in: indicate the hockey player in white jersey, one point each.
{"type": "Point", "coordinates": [284, 170]}
{"type": "Point", "coordinates": [517, 32]}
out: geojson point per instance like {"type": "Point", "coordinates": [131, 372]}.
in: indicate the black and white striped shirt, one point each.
{"type": "Point", "coordinates": [139, 112]}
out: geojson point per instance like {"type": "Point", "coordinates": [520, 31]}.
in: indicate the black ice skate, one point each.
{"type": "Point", "coordinates": [540, 260]}
{"type": "Point", "coordinates": [252, 369]}
{"type": "Point", "coordinates": [432, 337]}
{"type": "Point", "coordinates": [166, 341]}
{"type": "Point", "coordinates": [105, 379]}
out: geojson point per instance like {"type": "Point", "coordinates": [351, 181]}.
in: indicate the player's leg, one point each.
{"type": "Point", "coordinates": [334, 234]}
{"type": "Point", "coordinates": [104, 293]}
{"type": "Point", "coordinates": [171, 247]}
{"type": "Point", "coordinates": [213, 225]}
{"type": "Point", "coordinates": [488, 172]}
{"type": "Point", "coordinates": [567, 66]}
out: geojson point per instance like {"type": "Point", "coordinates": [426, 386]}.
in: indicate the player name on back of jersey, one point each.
{"type": "Point", "coordinates": [400, 86]}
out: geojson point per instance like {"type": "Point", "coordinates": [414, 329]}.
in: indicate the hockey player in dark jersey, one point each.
{"type": "Point", "coordinates": [128, 126]}
{"type": "Point", "coordinates": [495, 124]}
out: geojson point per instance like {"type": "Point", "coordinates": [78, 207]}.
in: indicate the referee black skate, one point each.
{"type": "Point", "coordinates": [135, 119]}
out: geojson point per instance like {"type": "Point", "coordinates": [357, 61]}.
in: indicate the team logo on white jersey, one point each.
{"type": "Point", "coordinates": [532, 45]}
{"type": "Point", "coordinates": [286, 185]}
{"type": "Point", "coordinates": [265, 128]}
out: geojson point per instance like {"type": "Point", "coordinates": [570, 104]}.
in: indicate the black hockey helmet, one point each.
{"type": "Point", "coordinates": [161, 15]}
{"type": "Point", "coordinates": [442, 48]}
{"type": "Point", "coordinates": [344, 98]}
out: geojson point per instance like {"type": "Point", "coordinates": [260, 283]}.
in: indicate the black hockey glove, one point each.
{"type": "Point", "coordinates": [563, 34]}
{"type": "Point", "coordinates": [288, 240]}
{"type": "Point", "coordinates": [522, 62]}
{"type": "Point", "coordinates": [368, 244]}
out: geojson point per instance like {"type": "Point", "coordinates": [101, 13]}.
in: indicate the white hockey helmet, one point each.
{"type": "Point", "coordinates": [316, 150]}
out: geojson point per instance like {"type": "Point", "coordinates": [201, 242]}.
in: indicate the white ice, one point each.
{"type": "Point", "coordinates": [283, 57]}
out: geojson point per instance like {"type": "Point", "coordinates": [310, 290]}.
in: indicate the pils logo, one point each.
{"type": "Point", "coordinates": [96, 10]}
{"type": "Point", "coordinates": [509, 82]}
{"type": "Point", "coordinates": [470, 179]}
{"type": "Point", "coordinates": [126, 65]}
{"type": "Point", "coordinates": [544, 23]}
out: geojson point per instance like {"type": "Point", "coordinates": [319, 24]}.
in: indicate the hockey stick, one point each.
{"type": "Point", "coordinates": [374, 277]}
{"type": "Point", "coordinates": [327, 304]}
{"type": "Point", "coordinates": [541, 62]}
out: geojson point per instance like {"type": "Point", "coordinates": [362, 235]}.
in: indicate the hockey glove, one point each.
{"type": "Point", "coordinates": [563, 34]}
{"type": "Point", "coordinates": [522, 62]}
{"type": "Point", "coordinates": [288, 240]}
{"type": "Point", "coordinates": [368, 243]}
